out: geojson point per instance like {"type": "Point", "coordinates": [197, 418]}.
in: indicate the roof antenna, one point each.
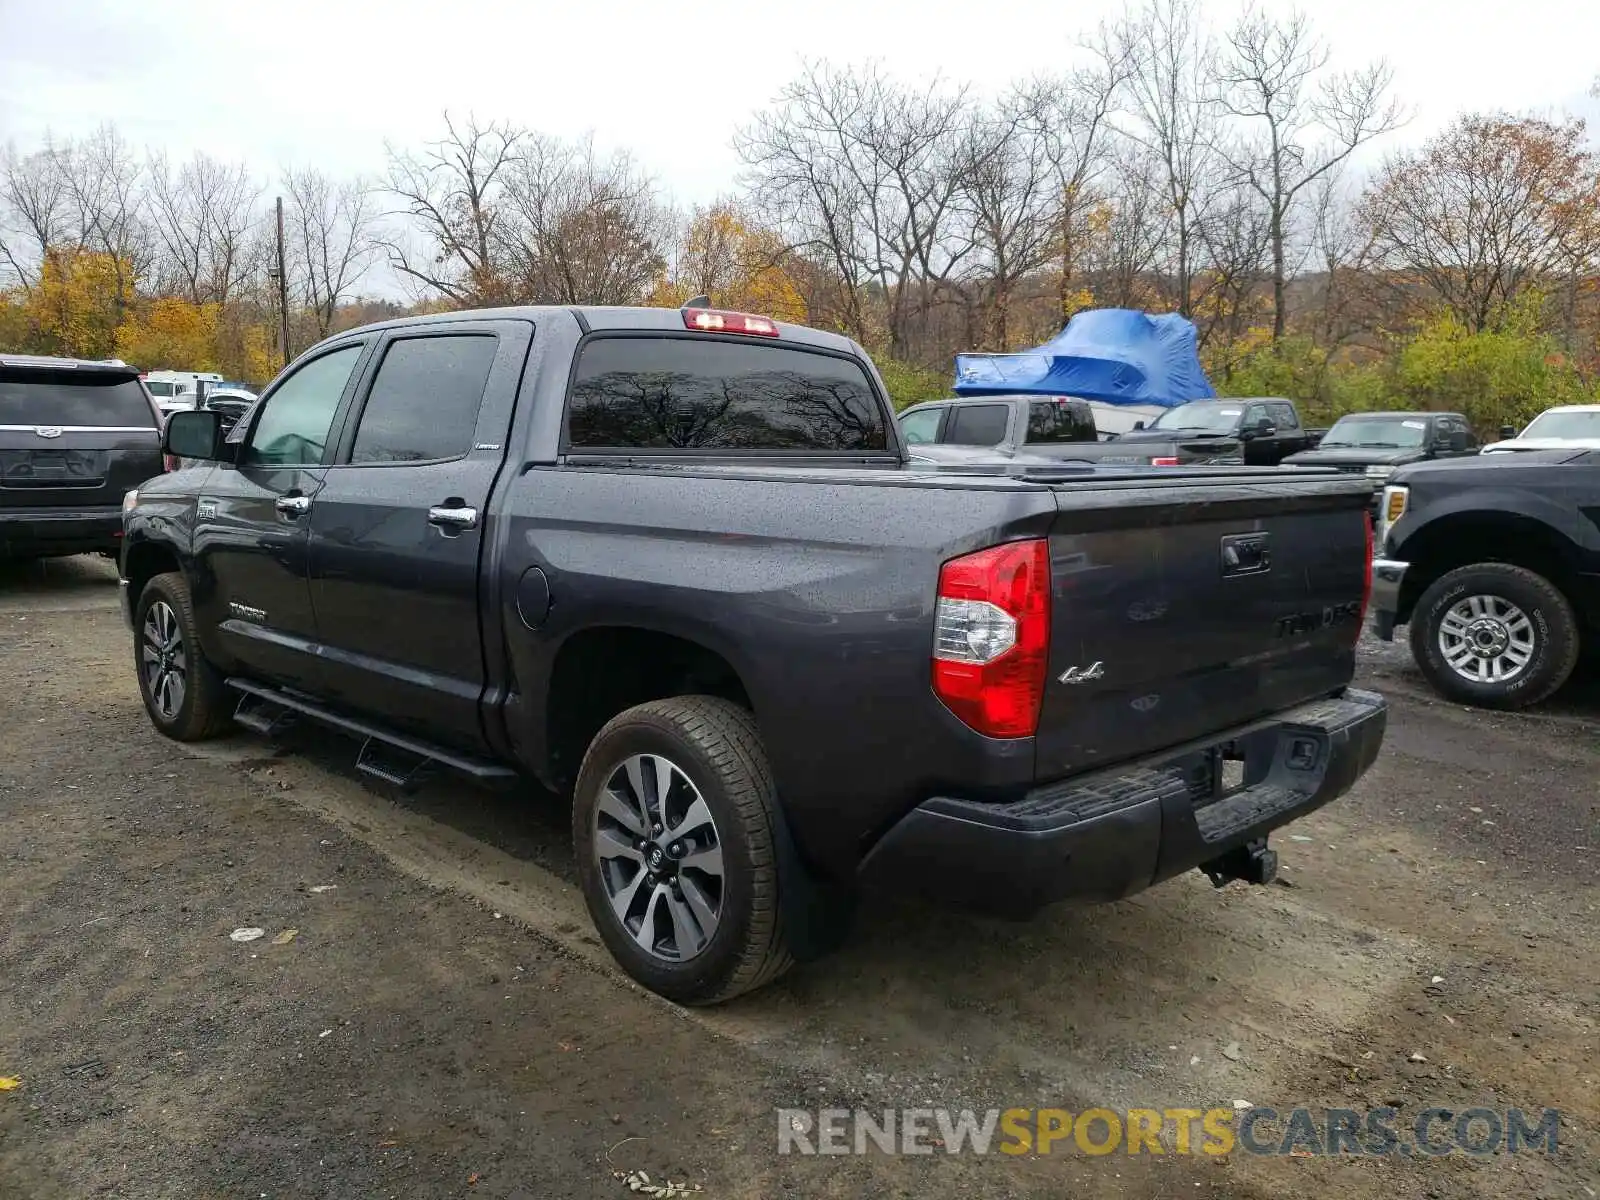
{"type": "Point", "coordinates": [698, 302]}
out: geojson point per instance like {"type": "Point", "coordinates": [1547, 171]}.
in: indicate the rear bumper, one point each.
{"type": "Point", "coordinates": [60, 530]}
{"type": "Point", "coordinates": [1109, 835]}
{"type": "Point", "coordinates": [1388, 576]}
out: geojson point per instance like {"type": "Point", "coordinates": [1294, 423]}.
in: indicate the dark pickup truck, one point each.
{"type": "Point", "coordinates": [75, 435]}
{"type": "Point", "coordinates": [1494, 563]}
{"type": "Point", "coordinates": [1262, 430]}
{"type": "Point", "coordinates": [675, 565]}
{"type": "Point", "coordinates": [1377, 444]}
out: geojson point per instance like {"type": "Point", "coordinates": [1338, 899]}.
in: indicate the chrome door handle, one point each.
{"type": "Point", "coordinates": [293, 506]}
{"type": "Point", "coordinates": [453, 518]}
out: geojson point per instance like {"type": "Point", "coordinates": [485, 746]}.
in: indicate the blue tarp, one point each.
{"type": "Point", "coordinates": [1112, 354]}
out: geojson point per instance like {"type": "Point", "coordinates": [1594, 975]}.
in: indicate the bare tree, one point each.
{"type": "Point", "coordinates": [1008, 198]}
{"type": "Point", "coordinates": [579, 228]}
{"type": "Point", "coordinates": [1070, 117]}
{"type": "Point", "coordinates": [32, 211]}
{"type": "Point", "coordinates": [330, 240]}
{"type": "Point", "coordinates": [1236, 232]}
{"type": "Point", "coordinates": [1299, 121]}
{"type": "Point", "coordinates": [862, 173]}
{"type": "Point", "coordinates": [1341, 249]}
{"type": "Point", "coordinates": [203, 214]}
{"type": "Point", "coordinates": [449, 197]}
{"type": "Point", "coordinates": [1128, 227]}
{"type": "Point", "coordinates": [1170, 88]}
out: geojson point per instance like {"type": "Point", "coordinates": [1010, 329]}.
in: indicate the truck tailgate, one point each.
{"type": "Point", "coordinates": [1175, 615]}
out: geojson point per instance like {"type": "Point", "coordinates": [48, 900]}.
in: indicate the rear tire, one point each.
{"type": "Point", "coordinates": [673, 822]}
{"type": "Point", "coordinates": [183, 693]}
{"type": "Point", "coordinates": [1495, 636]}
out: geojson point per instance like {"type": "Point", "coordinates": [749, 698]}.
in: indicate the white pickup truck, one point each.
{"type": "Point", "coordinates": [1569, 427]}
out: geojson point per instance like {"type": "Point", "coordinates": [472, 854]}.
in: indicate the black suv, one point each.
{"type": "Point", "coordinates": [75, 436]}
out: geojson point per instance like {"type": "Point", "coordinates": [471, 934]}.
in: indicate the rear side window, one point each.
{"type": "Point", "coordinates": [424, 400]}
{"type": "Point", "coordinates": [663, 393]}
{"type": "Point", "coordinates": [159, 387]}
{"type": "Point", "coordinates": [1284, 416]}
{"type": "Point", "coordinates": [1060, 421]}
{"type": "Point", "coordinates": [976, 425]}
{"type": "Point", "coordinates": [56, 398]}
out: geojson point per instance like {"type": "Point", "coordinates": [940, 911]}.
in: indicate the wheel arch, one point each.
{"type": "Point", "coordinates": [601, 670]}
{"type": "Point", "coordinates": [1464, 539]}
{"type": "Point", "coordinates": [142, 561]}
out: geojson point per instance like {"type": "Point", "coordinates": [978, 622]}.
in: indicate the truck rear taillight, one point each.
{"type": "Point", "coordinates": [715, 320]}
{"type": "Point", "coordinates": [1366, 582]}
{"type": "Point", "coordinates": [991, 640]}
{"type": "Point", "coordinates": [169, 462]}
{"type": "Point", "coordinates": [1163, 462]}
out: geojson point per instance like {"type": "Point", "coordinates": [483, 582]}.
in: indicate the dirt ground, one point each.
{"type": "Point", "coordinates": [444, 1023]}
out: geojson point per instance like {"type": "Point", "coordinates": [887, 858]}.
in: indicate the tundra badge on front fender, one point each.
{"type": "Point", "coordinates": [1082, 674]}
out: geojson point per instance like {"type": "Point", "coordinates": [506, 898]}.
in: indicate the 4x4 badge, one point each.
{"type": "Point", "coordinates": [1082, 674]}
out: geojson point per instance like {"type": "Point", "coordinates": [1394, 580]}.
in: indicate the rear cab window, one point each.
{"type": "Point", "coordinates": [87, 399]}
{"type": "Point", "coordinates": [977, 425]}
{"type": "Point", "coordinates": [1060, 421]}
{"type": "Point", "coordinates": [675, 393]}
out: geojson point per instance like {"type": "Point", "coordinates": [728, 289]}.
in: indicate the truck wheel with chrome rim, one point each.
{"type": "Point", "coordinates": [1495, 635]}
{"type": "Point", "coordinates": [673, 822]}
{"type": "Point", "coordinates": [182, 691]}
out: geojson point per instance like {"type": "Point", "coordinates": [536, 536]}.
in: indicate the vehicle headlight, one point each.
{"type": "Point", "coordinates": [1391, 509]}
{"type": "Point", "coordinates": [129, 499]}
{"type": "Point", "coordinates": [1379, 471]}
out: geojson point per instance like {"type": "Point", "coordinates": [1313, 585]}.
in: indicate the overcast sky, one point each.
{"type": "Point", "coordinates": [325, 82]}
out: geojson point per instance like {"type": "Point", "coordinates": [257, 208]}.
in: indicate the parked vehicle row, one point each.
{"type": "Point", "coordinates": [1210, 432]}
{"type": "Point", "coordinates": [681, 567]}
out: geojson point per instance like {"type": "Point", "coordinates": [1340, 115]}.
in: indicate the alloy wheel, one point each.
{"type": "Point", "coordinates": [1486, 639]}
{"type": "Point", "coordinates": [659, 857]}
{"type": "Point", "coordinates": [164, 660]}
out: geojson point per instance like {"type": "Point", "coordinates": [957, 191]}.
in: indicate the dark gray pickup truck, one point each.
{"type": "Point", "coordinates": [674, 565]}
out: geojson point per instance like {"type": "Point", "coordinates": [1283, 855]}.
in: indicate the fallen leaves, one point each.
{"type": "Point", "coordinates": [638, 1181]}
{"type": "Point", "coordinates": [9, 1083]}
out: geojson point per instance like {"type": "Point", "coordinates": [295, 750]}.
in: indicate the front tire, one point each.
{"type": "Point", "coordinates": [673, 821]}
{"type": "Point", "coordinates": [1495, 636]}
{"type": "Point", "coordinates": [183, 693]}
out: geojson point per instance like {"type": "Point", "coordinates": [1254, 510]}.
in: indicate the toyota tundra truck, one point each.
{"type": "Point", "coordinates": [677, 567]}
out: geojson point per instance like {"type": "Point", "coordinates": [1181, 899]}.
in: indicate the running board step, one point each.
{"type": "Point", "coordinates": [393, 763]}
{"type": "Point", "coordinates": [263, 716]}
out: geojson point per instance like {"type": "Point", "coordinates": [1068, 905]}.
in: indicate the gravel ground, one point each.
{"type": "Point", "coordinates": [443, 1022]}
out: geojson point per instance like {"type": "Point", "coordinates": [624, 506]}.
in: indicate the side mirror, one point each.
{"type": "Point", "coordinates": [1507, 432]}
{"type": "Point", "coordinates": [1262, 428]}
{"type": "Point", "coordinates": [1460, 440]}
{"type": "Point", "coordinates": [1137, 425]}
{"type": "Point", "coordinates": [195, 433]}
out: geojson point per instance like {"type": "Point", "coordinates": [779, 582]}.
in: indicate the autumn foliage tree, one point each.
{"type": "Point", "coordinates": [1492, 207]}
{"type": "Point", "coordinates": [737, 264]}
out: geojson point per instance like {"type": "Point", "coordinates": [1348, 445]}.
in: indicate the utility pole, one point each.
{"type": "Point", "coordinates": [283, 289]}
